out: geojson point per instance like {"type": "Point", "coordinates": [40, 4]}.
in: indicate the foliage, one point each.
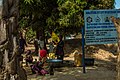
{"type": "Point", "coordinates": [52, 21]}
{"type": "Point", "coordinates": [58, 15]}
{"type": "Point", "coordinates": [106, 4]}
{"type": "Point", "coordinates": [100, 4]}
{"type": "Point", "coordinates": [30, 35]}
{"type": "Point", "coordinates": [68, 15]}
{"type": "Point", "coordinates": [36, 12]}
{"type": "Point", "coordinates": [71, 14]}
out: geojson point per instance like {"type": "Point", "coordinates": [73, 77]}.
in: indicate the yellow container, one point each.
{"type": "Point", "coordinates": [51, 55]}
{"type": "Point", "coordinates": [77, 59]}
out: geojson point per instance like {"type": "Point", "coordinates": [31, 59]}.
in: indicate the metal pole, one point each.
{"type": "Point", "coordinates": [83, 51]}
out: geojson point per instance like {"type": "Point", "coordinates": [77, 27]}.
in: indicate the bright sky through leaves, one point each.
{"type": "Point", "coordinates": [117, 4]}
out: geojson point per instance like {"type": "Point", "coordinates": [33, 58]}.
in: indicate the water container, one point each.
{"type": "Point", "coordinates": [78, 59]}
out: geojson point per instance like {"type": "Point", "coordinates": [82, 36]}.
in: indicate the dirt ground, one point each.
{"type": "Point", "coordinates": [104, 66]}
{"type": "Point", "coordinates": [97, 72]}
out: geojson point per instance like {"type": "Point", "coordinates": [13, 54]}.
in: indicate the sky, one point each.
{"type": "Point", "coordinates": [117, 4]}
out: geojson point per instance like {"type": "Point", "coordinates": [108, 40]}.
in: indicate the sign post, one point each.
{"type": "Point", "coordinates": [83, 51]}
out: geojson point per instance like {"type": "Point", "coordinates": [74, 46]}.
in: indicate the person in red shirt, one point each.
{"type": "Point", "coordinates": [42, 55]}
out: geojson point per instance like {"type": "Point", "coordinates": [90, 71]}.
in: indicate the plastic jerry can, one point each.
{"type": "Point", "coordinates": [78, 59]}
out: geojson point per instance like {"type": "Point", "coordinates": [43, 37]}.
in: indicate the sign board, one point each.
{"type": "Point", "coordinates": [99, 29]}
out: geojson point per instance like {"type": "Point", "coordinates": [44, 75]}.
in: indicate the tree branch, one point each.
{"type": "Point", "coordinates": [3, 44]}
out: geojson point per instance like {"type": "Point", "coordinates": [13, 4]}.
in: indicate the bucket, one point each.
{"type": "Point", "coordinates": [89, 61]}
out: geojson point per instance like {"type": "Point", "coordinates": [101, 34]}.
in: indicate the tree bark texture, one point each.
{"type": "Point", "coordinates": [116, 22]}
{"type": "Point", "coordinates": [9, 56]}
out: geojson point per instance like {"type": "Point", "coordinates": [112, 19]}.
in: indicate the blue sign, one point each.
{"type": "Point", "coordinates": [99, 29]}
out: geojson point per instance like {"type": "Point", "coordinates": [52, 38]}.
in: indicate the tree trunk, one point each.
{"type": "Point", "coordinates": [117, 26]}
{"type": "Point", "coordinates": [10, 59]}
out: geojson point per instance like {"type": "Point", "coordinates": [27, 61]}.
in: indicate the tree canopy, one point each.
{"type": "Point", "coordinates": [58, 15]}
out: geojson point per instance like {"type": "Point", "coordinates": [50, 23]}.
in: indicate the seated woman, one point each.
{"type": "Point", "coordinates": [37, 68]}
